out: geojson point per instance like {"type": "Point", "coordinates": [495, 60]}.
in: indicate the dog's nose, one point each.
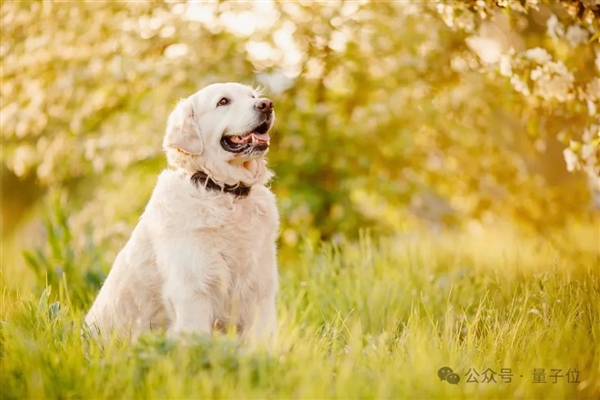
{"type": "Point", "coordinates": [264, 105]}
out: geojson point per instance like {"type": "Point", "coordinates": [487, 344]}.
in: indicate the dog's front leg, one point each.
{"type": "Point", "coordinates": [191, 312]}
{"type": "Point", "coordinates": [264, 325]}
{"type": "Point", "coordinates": [187, 274]}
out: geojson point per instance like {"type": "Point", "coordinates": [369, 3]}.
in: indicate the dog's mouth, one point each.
{"type": "Point", "coordinates": [258, 139]}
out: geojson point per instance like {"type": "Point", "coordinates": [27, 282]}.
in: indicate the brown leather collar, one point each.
{"type": "Point", "coordinates": [200, 178]}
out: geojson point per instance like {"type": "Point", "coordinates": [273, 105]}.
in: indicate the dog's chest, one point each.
{"type": "Point", "coordinates": [247, 251]}
{"type": "Point", "coordinates": [247, 232]}
{"type": "Point", "coordinates": [248, 219]}
{"type": "Point", "coordinates": [242, 232]}
{"type": "Point", "coordinates": [225, 247]}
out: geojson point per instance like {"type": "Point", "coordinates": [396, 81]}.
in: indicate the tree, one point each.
{"type": "Point", "coordinates": [388, 113]}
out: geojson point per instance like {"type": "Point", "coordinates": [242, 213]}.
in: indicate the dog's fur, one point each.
{"type": "Point", "coordinates": [200, 259]}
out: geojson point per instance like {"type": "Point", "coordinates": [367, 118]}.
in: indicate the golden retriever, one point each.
{"type": "Point", "coordinates": [203, 255]}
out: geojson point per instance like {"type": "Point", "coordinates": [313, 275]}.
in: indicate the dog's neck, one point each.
{"type": "Point", "coordinates": [201, 178]}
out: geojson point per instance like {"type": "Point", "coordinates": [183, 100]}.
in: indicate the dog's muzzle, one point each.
{"type": "Point", "coordinates": [257, 140]}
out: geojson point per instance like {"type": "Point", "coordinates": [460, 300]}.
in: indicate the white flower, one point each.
{"type": "Point", "coordinates": [536, 73]}
{"type": "Point", "coordinates": [576, 35]}
{"type": "Point", "coordinates": [24, 157]}
{"type": "Point", "coordinates": [589, 133]}
{"type": "Point", "coordinates": [593, 89]}
{"type": "Point", "coordinates": [505, 65]}
{"type": "Point", "coordinates": [588, 151]}
{"type": "Point", "coordinates": [519, 85]}
{"type": "Point", "coordinates": [447, 13]}
{"type": "Point", "coordinates": [538, 55]}
{"type": "Point", "coordinates": [557, 87]}
{"type": "Point", "coordinates": [553, 81]}
{"type": "Point", "coordinates": [571, 159]}
{"type": "Point", "coordinates": [487, 49]}
{"type": "Point", "coordinates": [554, 28]}
{"type": "Point", "coordinates": [591, 108]}
{"type": "Point", "coordinates": [558, 68]}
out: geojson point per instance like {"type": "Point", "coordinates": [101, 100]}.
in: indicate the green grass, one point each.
{"type": "Point", "coordinates": [373, 319]}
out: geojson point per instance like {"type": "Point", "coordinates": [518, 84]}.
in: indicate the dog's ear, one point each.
{"type": "Point", "coordinates": [182, 131]}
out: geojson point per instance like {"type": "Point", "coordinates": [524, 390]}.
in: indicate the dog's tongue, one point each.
{"type": "Point", "coordinates": [256, 138]}
{"type": "Point", "coordinates": [253, 137]}
{"type": "Point", "coordinates": [260, 137]}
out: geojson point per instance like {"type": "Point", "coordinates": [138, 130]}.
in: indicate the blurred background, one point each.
{"type": "Point", "coordinates": [394, 117]}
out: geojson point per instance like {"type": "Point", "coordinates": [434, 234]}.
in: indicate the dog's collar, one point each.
{"type": "Point", "coordinates": [200, 178]}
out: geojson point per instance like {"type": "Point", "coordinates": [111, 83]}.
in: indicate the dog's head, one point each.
{"type": "Point", "coordinates": [222, 130]}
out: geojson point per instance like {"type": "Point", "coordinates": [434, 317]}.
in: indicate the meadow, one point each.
{"type": "Point", "coordinates": [513, 317]}
{"type": "Point", "coordinates": [437, 175]}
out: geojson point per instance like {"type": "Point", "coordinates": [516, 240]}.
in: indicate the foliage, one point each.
{"type": "Point", "coordinates": [57, 265]}
{"type": "Point", "coordinates": [550, 76]}
{"type": "Point", "coordinates": [387, 117]}
{"type": "Point", "coordinates": [375, 319]}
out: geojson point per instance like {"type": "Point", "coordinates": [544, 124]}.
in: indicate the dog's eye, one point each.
{"type": "Point", "coordinates": [223, 102]}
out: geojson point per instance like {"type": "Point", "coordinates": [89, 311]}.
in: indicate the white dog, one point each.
{"type": "Point", "coordinates": [203, 255]}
